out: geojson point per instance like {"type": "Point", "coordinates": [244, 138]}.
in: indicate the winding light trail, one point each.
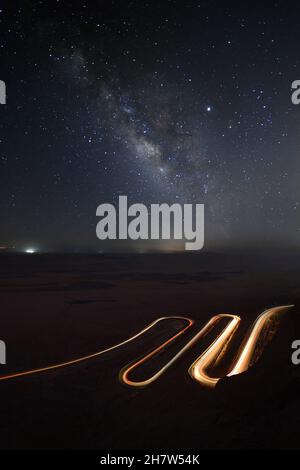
{"type": "Point", "coordinates": [99, 353]}
{"type": "Point", "coordinates": [124, 374]}
{"type": "Point", "coordinates": [248, 348]}
{"type": "Point", "coordinates": [198, 369]}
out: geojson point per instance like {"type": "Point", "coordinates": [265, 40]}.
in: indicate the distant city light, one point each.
{"type": "Point", "coordinates": [30, 250]}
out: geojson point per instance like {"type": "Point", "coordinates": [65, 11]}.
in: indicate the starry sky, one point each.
{"type": "Point", "coordinates": [173, 101]}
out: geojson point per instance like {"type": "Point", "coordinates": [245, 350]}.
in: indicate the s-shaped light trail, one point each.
{"type": "Point", "coordinates": [199, 368]}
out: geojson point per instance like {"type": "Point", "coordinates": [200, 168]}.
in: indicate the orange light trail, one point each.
{"type": "Point", "coordinates": [99, 353]}
{"type": "Point", "coordinates": [198, 369]}
{"type": "Point", "coordinates": [247, 351]}
{"type": "Point", "coordinates": [124, 374]}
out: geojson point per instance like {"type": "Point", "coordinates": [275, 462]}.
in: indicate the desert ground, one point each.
{"type": "Point", "coordinates": [55, 308]}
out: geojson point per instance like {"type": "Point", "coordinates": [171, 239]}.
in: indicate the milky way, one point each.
{"type": "Point", "coordinates": [180, 102]}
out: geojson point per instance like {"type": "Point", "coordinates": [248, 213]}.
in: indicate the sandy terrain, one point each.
{"type": "Point", "coordinates": [58, 307]}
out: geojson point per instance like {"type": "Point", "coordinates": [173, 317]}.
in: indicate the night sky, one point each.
{"type": "Point", "coordinates": [162, 101]}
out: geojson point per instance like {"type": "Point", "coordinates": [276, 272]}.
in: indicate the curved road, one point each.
{"type": "Point", "coordinates": [198, 369]}
{"type": "Point", "coordinates": [99, 353]}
